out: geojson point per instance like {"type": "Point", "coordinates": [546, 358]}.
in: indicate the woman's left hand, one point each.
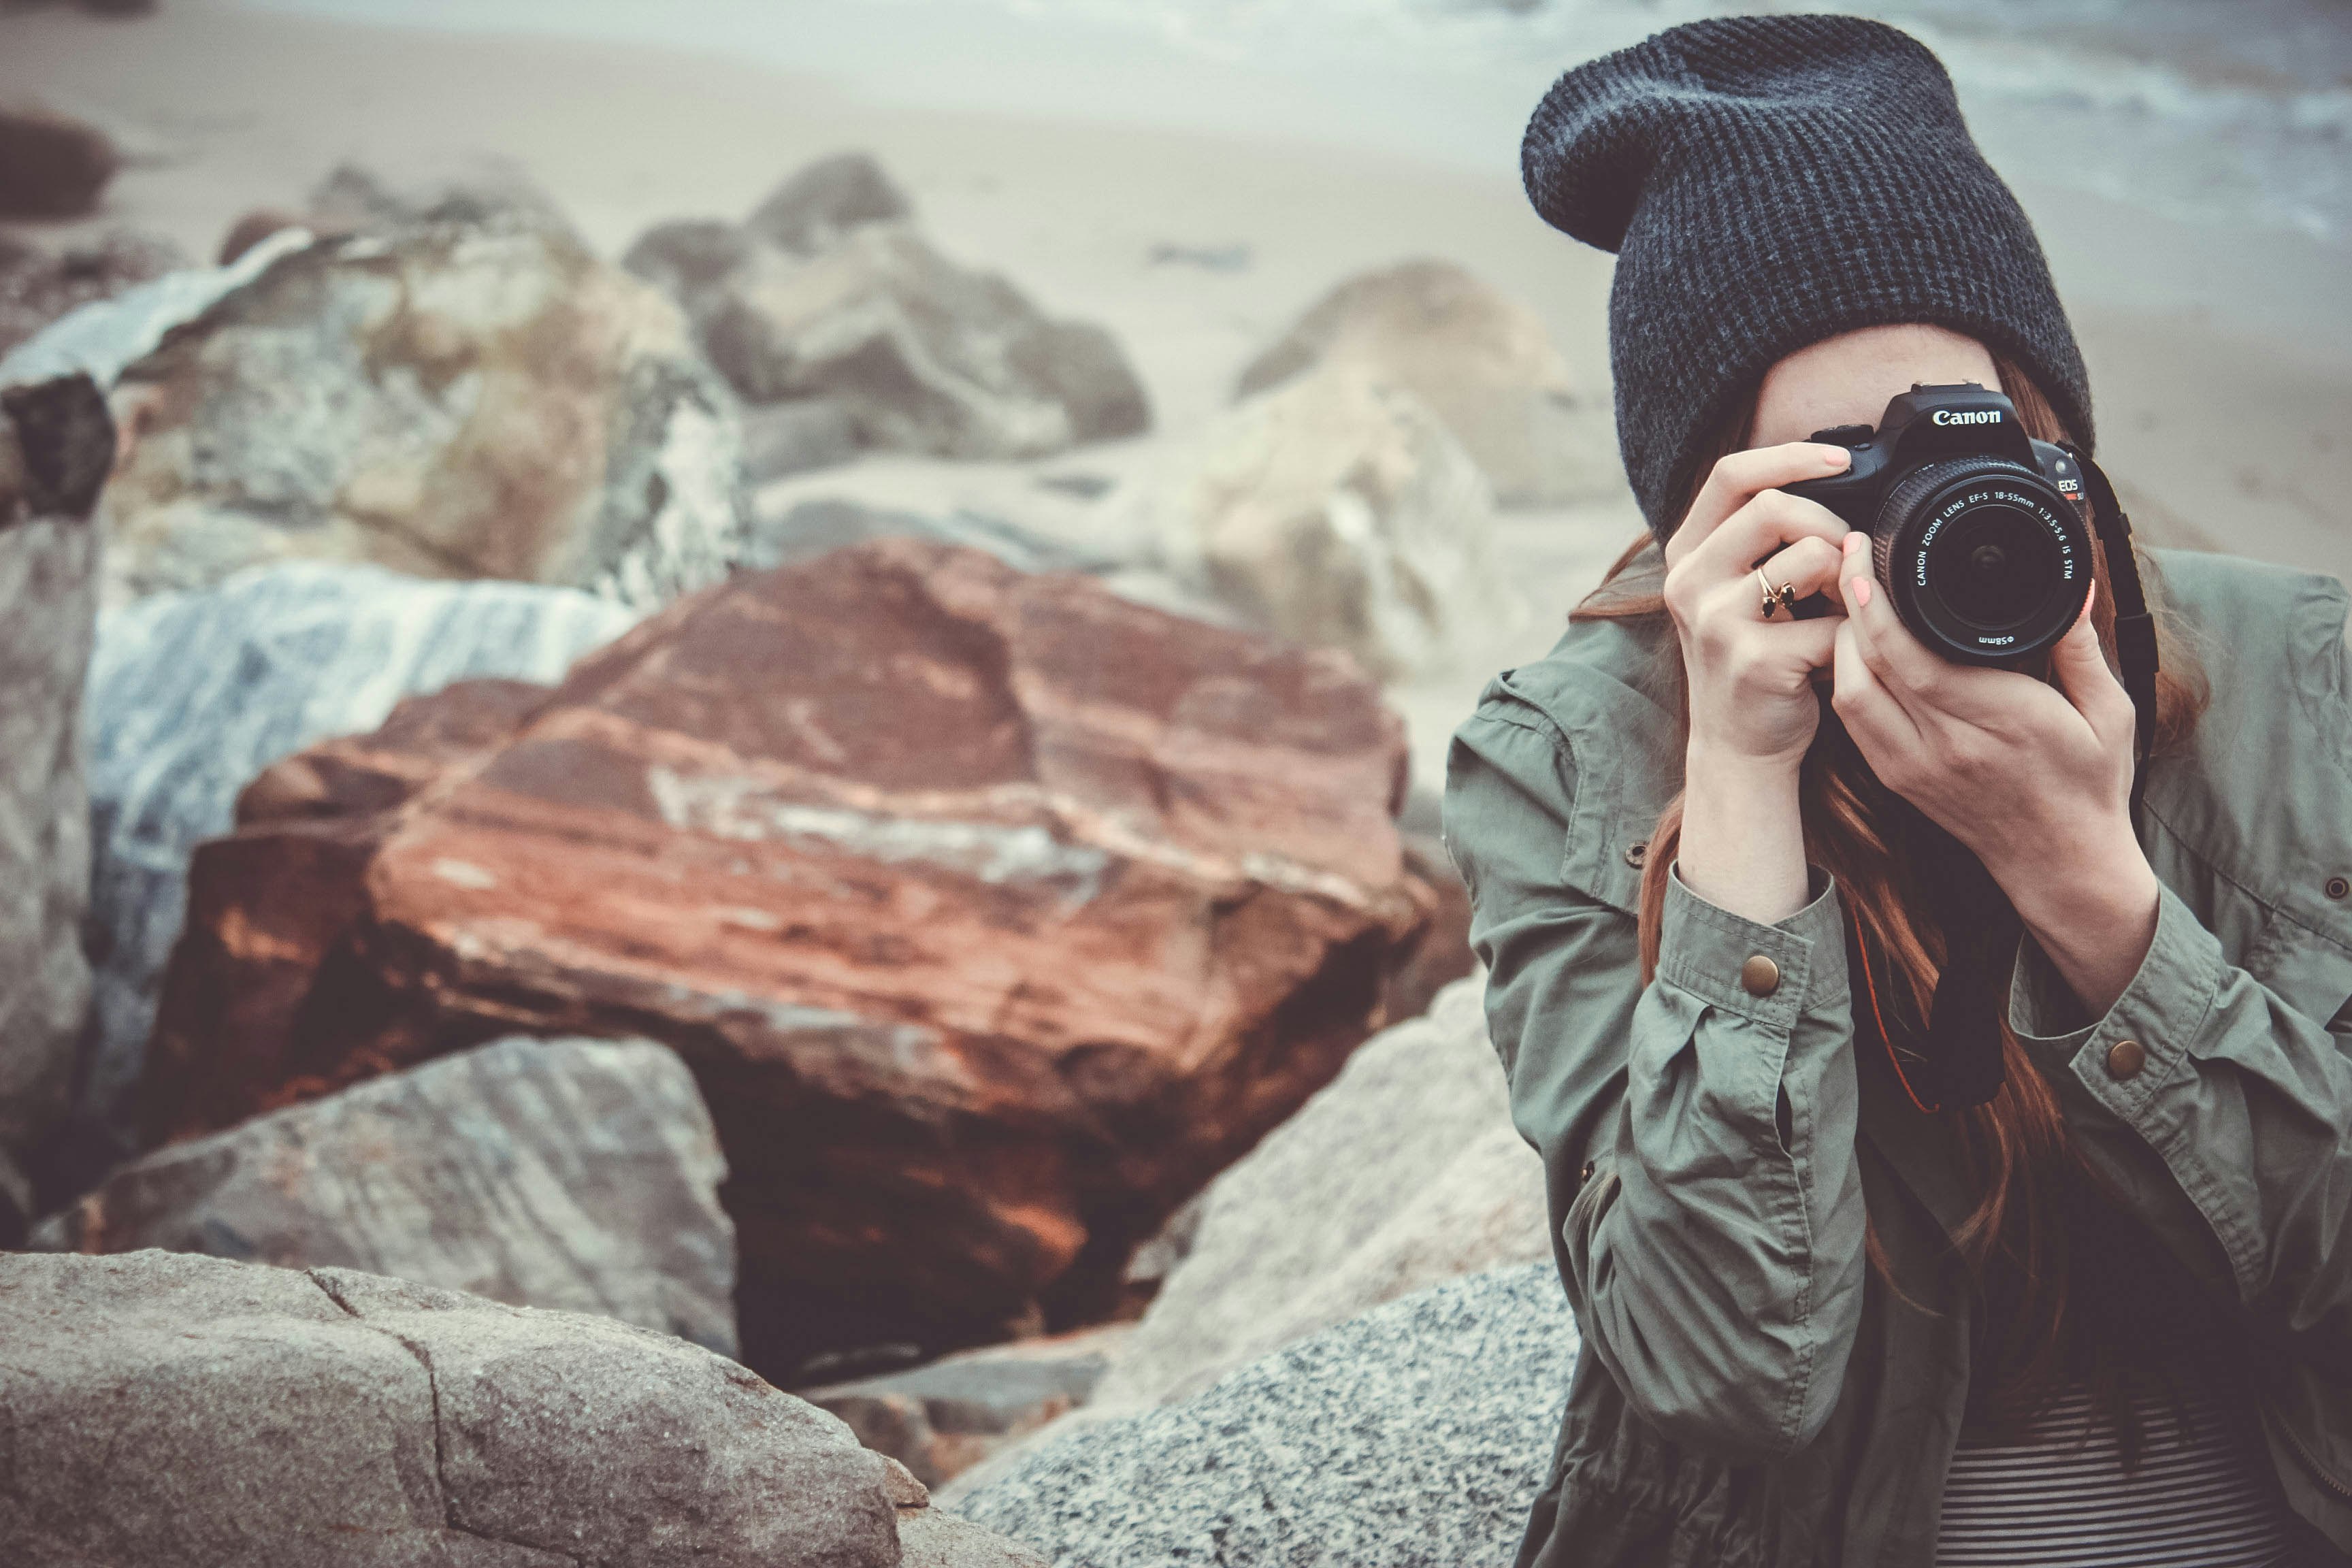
{"type": "Point", "coordinates": [2034, 778]}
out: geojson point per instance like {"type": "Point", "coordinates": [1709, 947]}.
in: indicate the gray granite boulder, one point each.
{"type": "Point", "coordinates": [54, 444]}
{"type": "Point", "coordinates": [574, 1174]}
{"type": "Point", "coordinates": [1413, 1437]}
{"type": "Point", "coordinates": [192, 695]}
{"type": "Point", "coordinates": [286, 1419]}
{"type": "Point", "coordinates": [1413, 1173]}
{"type": "Point", "coordinates": [829, 292]}
{"type": "Point", "coordinates": [449, 398]}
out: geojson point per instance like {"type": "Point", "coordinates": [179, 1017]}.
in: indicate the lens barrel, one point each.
{"type": "Point", "coordinates": [1985, 560]}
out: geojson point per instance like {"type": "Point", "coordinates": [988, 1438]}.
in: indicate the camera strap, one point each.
{"type": "Point", "coordinates": [2135, 627]}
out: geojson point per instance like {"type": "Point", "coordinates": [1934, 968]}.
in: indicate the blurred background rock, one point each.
{"type": "Point", "coordinates": [731, 661]}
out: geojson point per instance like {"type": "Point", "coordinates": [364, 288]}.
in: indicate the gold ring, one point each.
{"type": "Point", "coordinates": [1783, 597]}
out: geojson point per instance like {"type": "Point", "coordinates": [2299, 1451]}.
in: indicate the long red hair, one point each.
{"type": "Point", "coordinates": [2013, 1244]}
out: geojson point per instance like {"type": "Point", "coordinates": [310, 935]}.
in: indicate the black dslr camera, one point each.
{"type": "Point", "coordinates": [1975, 529]}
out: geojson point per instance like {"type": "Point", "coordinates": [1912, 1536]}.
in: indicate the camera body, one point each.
{"type": "Point", "coordinates": [1977, 529]}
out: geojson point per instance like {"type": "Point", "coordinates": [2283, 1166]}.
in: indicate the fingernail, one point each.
{"type": "Point", "coordinates": [1852, 543]}
{"type": "Point", "coordinates": [1862, 591]}
{"type": "Point", "coordinates": [1835, 456]}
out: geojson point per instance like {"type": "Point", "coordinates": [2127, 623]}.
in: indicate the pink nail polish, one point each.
{"type": "Point", "coordinates": [1862, 591]}
{"type": "Point", "coordinates": [1851, 543]}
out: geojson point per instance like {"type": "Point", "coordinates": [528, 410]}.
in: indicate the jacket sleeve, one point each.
{"type": "Point", "coordinates": [1698, 1139]}
{"type": "Point", "coordinates": [2202, 1083]}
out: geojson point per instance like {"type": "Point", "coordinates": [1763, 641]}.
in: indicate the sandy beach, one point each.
{"type": "Point", "coordinates": [2221, 358]}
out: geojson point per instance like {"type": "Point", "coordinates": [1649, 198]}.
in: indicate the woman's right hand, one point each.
{"type": "Point", "coordinates": [1749, 680]}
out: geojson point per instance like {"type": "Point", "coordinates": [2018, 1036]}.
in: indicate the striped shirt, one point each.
{"type": "Point", "coordinates": [2060, 1497]}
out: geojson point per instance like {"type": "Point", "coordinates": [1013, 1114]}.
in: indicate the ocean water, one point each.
{"type": "Point", "coordinates": [2236, 113]}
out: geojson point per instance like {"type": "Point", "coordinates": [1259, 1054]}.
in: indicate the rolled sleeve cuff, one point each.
{"type": "Point", "coordinates": [2162, 1009]}
{"type": "Point", "coordinates": [2165, 1011]}
{"type": "Point", "coordinates": [1701, 950]}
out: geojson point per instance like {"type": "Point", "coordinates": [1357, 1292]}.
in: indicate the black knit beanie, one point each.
{"type": "Point", "coordinates": [1768, 181]}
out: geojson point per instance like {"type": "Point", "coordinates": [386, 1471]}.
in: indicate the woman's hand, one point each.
{"type": "Point", "coordinates": [1751, 695]}
{"type": "Point", "coordinates": [1753, 709]}
{"type": "Point", "coordinates": [2034, 778]}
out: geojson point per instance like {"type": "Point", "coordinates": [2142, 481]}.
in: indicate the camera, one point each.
{"type": "Point", "coordinates": [1975, 527]}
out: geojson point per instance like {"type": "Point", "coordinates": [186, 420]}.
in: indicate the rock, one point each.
{"type": "Point", "coordinates": [285, 1419]}
{"type": "Point", "coordinates": [100, 338]}
{"type": "Point", "coordinates": [1414, 1174]}
{"type": "Point", "coordinates": [929, 1538]}
{"type": "Point", "coordinates": [1443, 955]}
{"type": "Point", "coordinates": [993, 913]}
{"type": "Point", "coordinates": [940, 1420]}
{"type": "Point", "coordinates": [191, 695]}
{"type": "Point", "coordinates": [55, 445]}
{"type": "Point", "coordinates": [931, 357]}
{"type": "Point", "coordinates": [1339, 510]}
{"type": "Point", "coordinates": [252, 228]}
{"type": "Point", "coordinates": [51, 165]}
{"type": "Point", "coordinates": [37, 285]}
{"type": "Point", "coordinates": [691, 260]}
{"type": "Point", "coordinates": [1150, 1265]}
{"type": "Point", "coordinates": [814, 209]}
{"type": "Point", "coordinates": [828, 292]}
{"type": "Point", "coordinates": [811, 528]}
{"type": "Point", "coordinates": [449, 399]}
{"type": "Point", "coordinates": [1481, 361]}
{"type": "Point", "coordinates": [575, 1175]}
{"type": "Point", "coordinates": [781, 439]}
{"type": "Point", "coordinates": [1412, 1436]}
{"type": "Point", "coordinates": [487, 193]}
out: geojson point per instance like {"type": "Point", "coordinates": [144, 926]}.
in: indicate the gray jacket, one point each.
{"type": "Point", "coordinates": [1749, 1391]}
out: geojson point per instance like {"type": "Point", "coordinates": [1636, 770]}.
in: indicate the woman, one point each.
{"type": "Point", "coordinates": [2103, 1317]}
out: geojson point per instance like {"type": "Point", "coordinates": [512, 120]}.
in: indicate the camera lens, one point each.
{"type": "Point", "coordinates": [1994, 567]}
{"type": "Point", "coordinates": [1985, 560]}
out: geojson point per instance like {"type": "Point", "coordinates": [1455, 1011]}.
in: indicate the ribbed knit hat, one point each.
{"type": "Point", "coordinates": [1768, 181]}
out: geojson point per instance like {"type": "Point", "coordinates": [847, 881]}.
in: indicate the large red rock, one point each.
{"type": "Point", "coordinates": [994, 914]}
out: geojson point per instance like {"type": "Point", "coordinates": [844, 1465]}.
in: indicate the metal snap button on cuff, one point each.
{"type": "Point", "coordinates": [2339, 888]}
{"type": "Point", "coordinates": [1759, 976]}
{"type": "Point", "coordinates": [2125, 1058]}
{"type": "Point", "coordinates": [1637, 853]}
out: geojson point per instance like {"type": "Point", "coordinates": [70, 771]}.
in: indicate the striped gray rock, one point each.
{"type": "Point", "coordinates": [477, 398]}
{"type": "Point", "coordinates": [55, 445]}
{"type": "Point", "coordinates": [1413, 1437]}
{"type": "Point", "coordinates": [37, 285]}
{"type": "Point", "coordinates": [100, 338]}
{"type": "Point", "coordinates": [191, 695]}
{"type": "Point", "coordinates": [286, 1419]}
{"type": "Point", "coordinates": [576, 1175]}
